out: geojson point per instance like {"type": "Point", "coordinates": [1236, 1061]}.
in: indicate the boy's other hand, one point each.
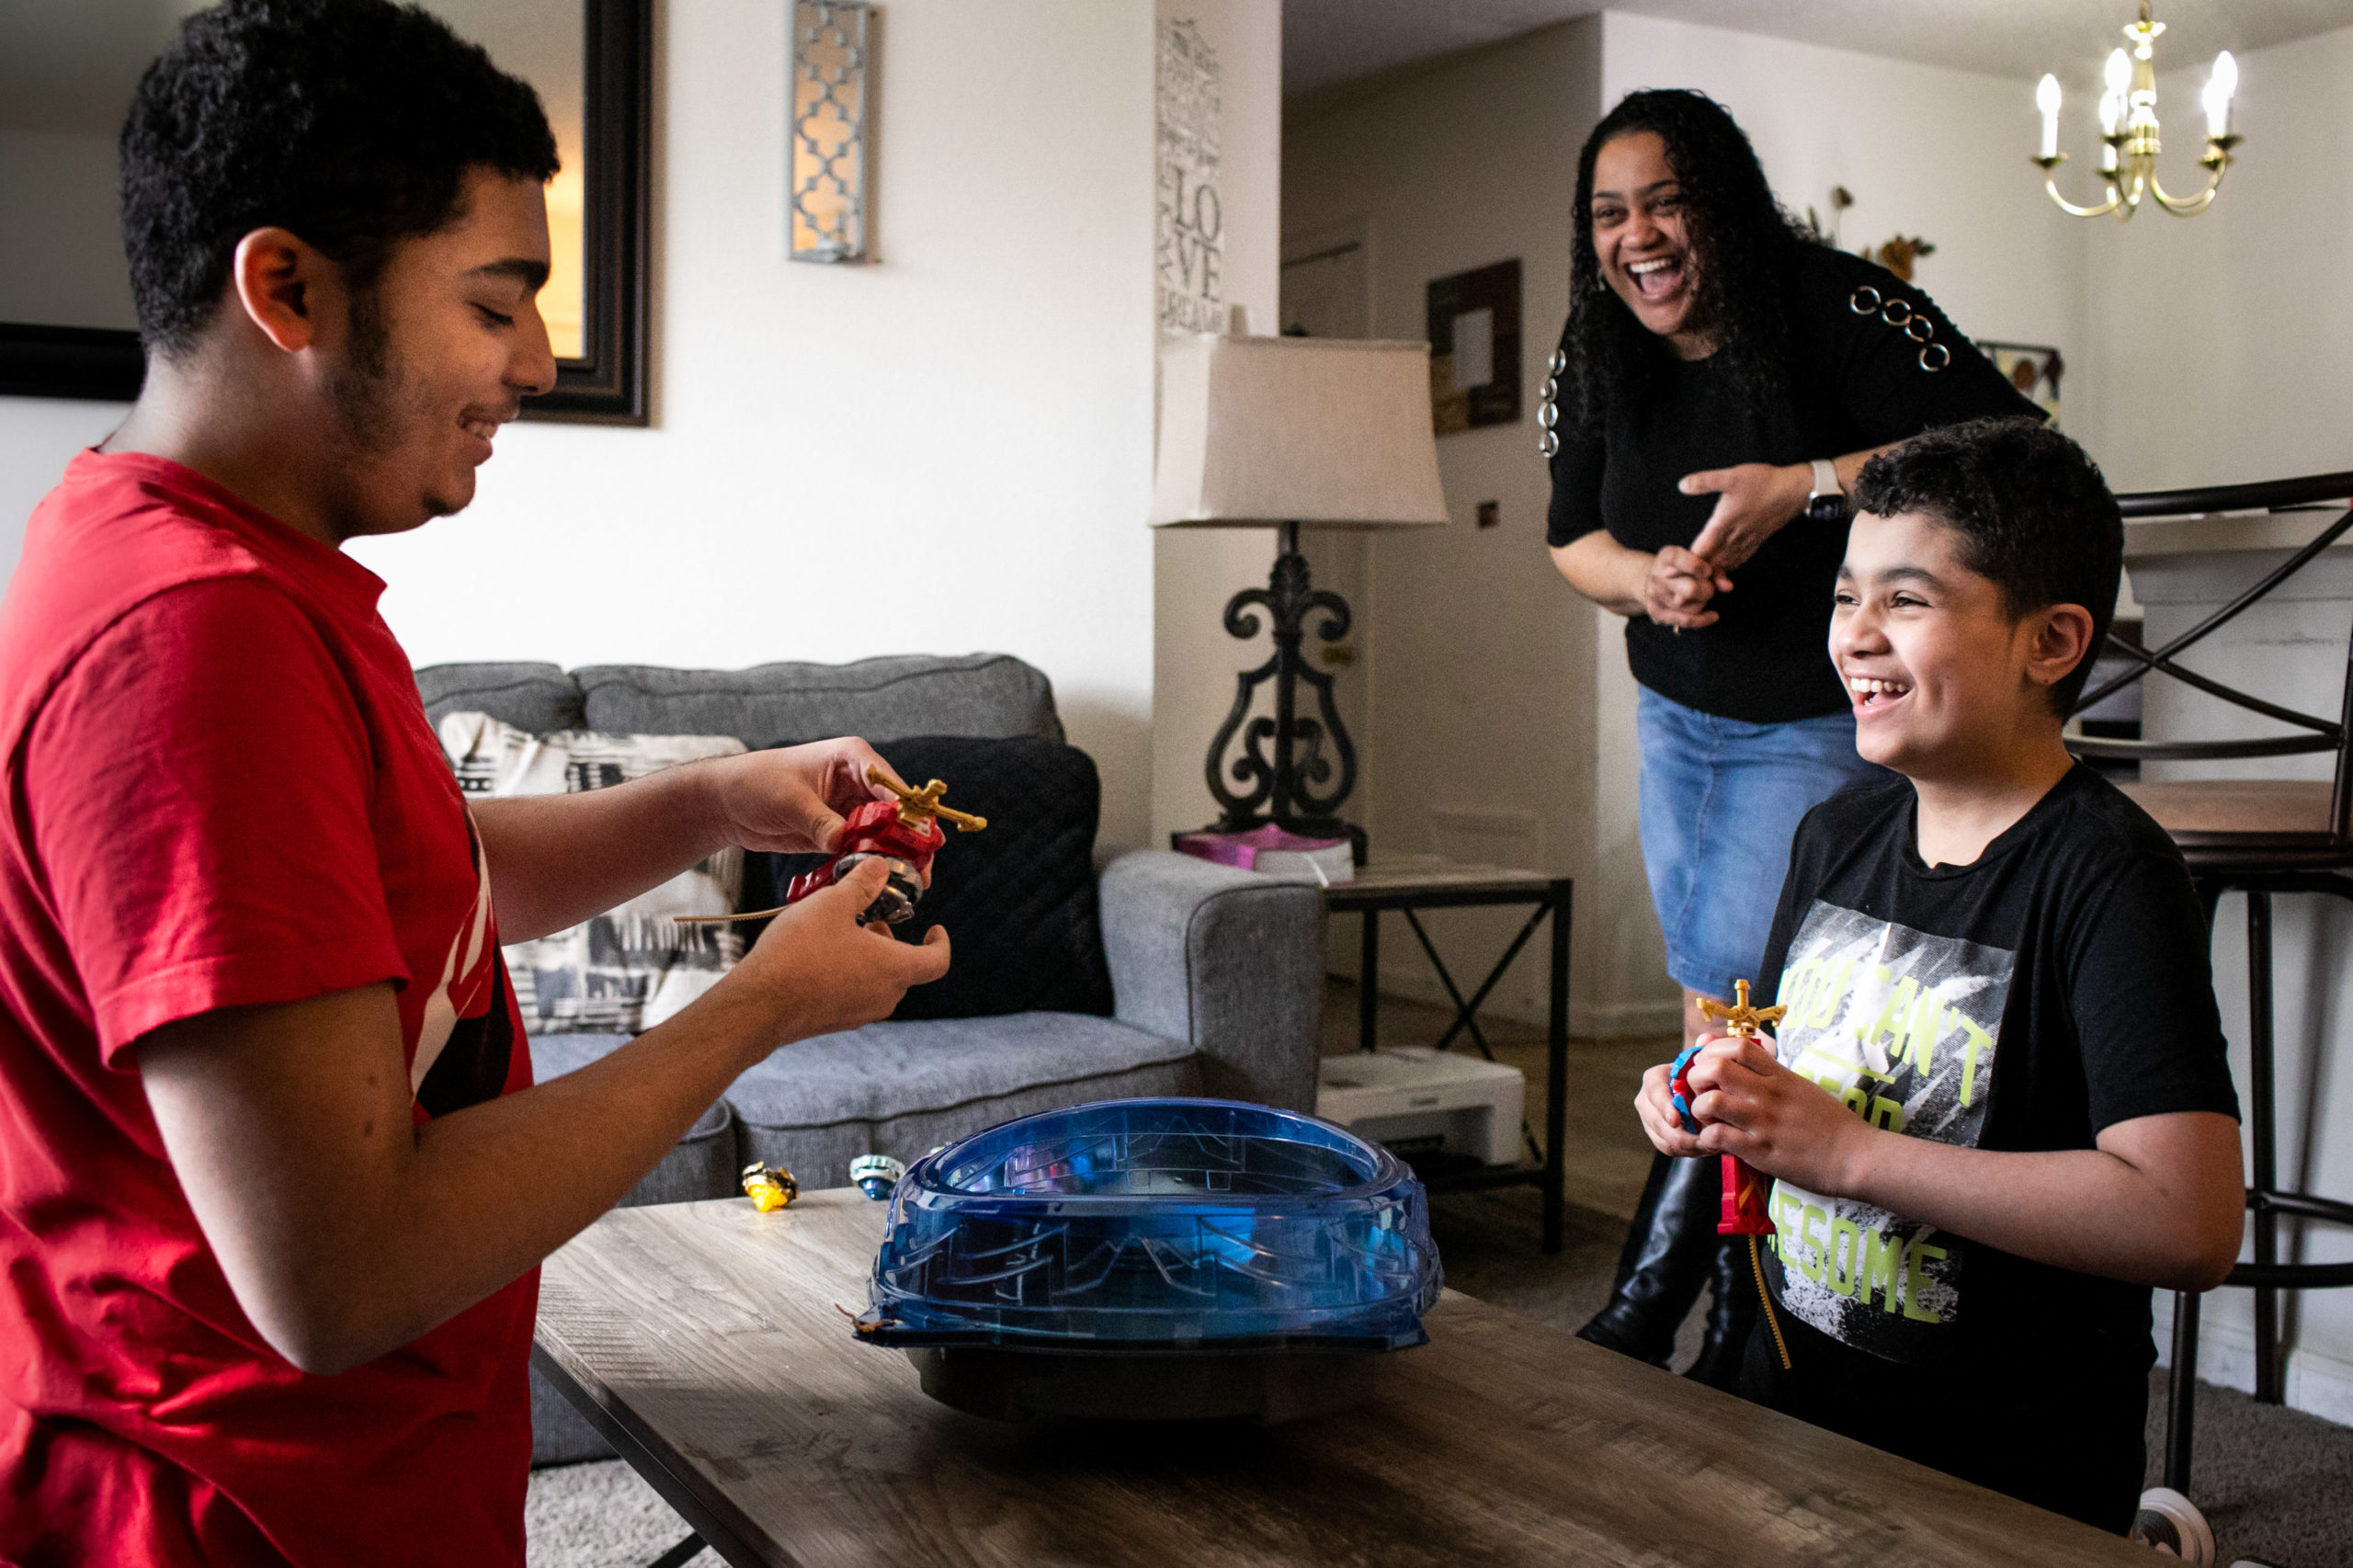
{"type": "Point", "coordinates": [1750, 1106]}
{"type": "Point", "coordinates": [791, 799]}
{"type": "Point", "coordinates": [816, 971]}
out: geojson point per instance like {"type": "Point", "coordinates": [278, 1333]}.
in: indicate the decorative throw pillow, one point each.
{"type": "Point", "coordinates": [1018, 898]}
{"type": "Point", "coordinates": [629, 969]}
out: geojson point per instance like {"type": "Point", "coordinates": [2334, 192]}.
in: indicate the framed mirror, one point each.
{"type": "Point", "coordinates": [67, 72]}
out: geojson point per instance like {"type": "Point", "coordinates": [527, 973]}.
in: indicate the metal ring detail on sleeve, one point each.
{"type": "Point", "coordinates": [1548, 414]}
{"type": "Point", "coordinates": [1914, 324]}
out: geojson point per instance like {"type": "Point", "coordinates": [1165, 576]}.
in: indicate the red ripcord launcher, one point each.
{"type": "Point", "coordinates": [904, 833]}
{"type": "Point", "coordinates": [1744, 1212]}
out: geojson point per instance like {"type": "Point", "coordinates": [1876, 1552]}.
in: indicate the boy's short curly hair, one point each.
{"type": "Point", "coordinates": [2032, 513]}
{"type": "Point", "coordinates": [352, 123]}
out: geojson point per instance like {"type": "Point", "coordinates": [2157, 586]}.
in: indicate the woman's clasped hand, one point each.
{"type": "Point", "coordinates": [1678, 585]}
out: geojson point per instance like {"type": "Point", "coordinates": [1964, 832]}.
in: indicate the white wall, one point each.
{"type": "Point", "coordinates": [1195, 570]}
{"type": "Point", "coordinates": [1477, 659]}
{"type": "Point", "coordinates": [2216, 347]}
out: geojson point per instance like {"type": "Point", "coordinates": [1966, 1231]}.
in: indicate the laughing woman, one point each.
{"type": "Point", "coordinates": [1720, 383]}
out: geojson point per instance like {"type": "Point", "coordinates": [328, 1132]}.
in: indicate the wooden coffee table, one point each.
{"type": "Point", "coordinates": [707, 1341]}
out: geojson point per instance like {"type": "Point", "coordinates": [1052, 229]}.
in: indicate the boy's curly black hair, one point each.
{"type": "Point", "coordinates": [352, 123]}
{"type": "Point", "coordinates": [1743, 244]}
{"type": "Point", "coordinates": [2031, 508]}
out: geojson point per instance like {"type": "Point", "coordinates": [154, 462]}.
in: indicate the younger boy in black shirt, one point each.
{"type": "Point", "coordinates": [1997, 1110]}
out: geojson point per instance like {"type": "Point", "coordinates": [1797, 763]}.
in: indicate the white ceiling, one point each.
{"type": "Point", "coordinates": [1330, 42]}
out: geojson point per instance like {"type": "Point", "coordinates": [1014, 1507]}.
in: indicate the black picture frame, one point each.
{"type": "Point", "coordinates": [607, 385]}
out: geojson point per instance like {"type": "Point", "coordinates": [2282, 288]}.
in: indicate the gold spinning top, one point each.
{"type": "Point", "coordinates": [919, 806]}
{"type": "Point", "coordinates": [1740, 1018]}
{"type": "Point", "coordinates": [770, 1187]}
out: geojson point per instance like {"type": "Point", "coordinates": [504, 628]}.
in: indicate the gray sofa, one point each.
{"type": "Point", "coordinates": [1216, 974]}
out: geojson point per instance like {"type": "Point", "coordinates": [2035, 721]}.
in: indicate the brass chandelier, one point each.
{"type": "Point", "coordinates": [2128, 130]}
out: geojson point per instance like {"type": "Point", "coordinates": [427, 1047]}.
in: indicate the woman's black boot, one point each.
{"type": "Point", "coordinates": [1730, 1315]}
{"type": "Point", "coordinates": [1670, 1248]}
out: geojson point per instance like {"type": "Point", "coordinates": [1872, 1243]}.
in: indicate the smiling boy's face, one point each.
{"type": "Point", "coordinates": [1942, 678]}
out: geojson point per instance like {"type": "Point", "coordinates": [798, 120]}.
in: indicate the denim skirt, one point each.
{"type": "Point", "coordinates": [1720, 799]}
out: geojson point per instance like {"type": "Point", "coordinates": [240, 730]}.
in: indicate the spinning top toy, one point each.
{"type": "Point", "coordinates": [876, 1174]}
{"type": "Point", "coordinates": [904, 834]}
{"type": "Point", "coordinates": [770, 1187]}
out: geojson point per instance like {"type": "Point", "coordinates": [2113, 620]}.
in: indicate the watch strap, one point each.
{"type": "Point", "coordinates": [1826, 479]}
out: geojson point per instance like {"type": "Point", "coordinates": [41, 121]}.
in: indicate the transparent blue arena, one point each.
{"type": "Point", "coordinates": [1166, 1258]}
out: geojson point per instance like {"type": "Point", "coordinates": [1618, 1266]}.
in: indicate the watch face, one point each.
{"type": "Point", "coordinates": [1827, 508]}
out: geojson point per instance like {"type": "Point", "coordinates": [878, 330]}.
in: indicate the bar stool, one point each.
{"type": "Point", "coordinates": [2262, 838]}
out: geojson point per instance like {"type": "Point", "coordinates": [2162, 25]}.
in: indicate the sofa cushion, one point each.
{"type": "Point", "coordinates": [534, 698]}
{"type": "Point", "coordinates": [899, 1088]}
{"type": "Point", "coordinates": [630, 967]}
{"type": "Point", "coordinates": [1017, 898]}
{"type": "Point", "coordinates": [784, 704]}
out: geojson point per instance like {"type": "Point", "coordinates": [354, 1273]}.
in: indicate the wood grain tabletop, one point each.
{"type": "Point", "coordinates": [710, 1334]}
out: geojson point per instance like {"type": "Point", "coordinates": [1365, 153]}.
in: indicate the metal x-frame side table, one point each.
{"type": "Point", "coordinates": [1409, 888]}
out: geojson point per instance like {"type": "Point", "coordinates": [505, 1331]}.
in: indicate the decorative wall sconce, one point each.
{"type": "Point", "coordinates": [826, 128]}
{"type": "Point", "coordinates": [2128, 130]}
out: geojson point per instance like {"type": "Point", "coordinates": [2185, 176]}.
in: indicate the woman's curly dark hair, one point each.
{"type": "Point", "coordinates": [351, 123]}
{"type": "Point", "coordinates": [1743, 244]}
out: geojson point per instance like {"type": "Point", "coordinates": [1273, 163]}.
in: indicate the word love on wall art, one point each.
{"type": "Point", "coordinates": [1188, 275]}
{"type": "Point", "coordinates": [827, 204]}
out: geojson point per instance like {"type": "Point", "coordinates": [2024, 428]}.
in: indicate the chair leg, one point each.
{"type": "Point", "coordinates": [2181, 1391]}
{"type": "Point", "coordinates": [2269, 1384]}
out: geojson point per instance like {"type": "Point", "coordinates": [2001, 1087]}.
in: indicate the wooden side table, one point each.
{"type": "Point", "coordinates": [1410, 887]}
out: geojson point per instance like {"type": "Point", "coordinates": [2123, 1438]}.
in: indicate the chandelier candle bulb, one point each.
{"type": "Point", "coordinates": [2046, 98]}
{"type": "Point", "coordinates": [2220, 83]}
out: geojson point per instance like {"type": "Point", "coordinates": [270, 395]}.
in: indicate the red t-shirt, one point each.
{"type": "Point", "coordinates": [222, 789]}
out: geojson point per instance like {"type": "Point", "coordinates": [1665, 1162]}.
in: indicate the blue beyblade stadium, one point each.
{"type": "Point", "coordinates": [1156, 1258]}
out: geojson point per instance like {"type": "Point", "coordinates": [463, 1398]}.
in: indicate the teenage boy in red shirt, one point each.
{"type": "Point", "coordinates": [274, 1181]}
{"type": "Point", "coordinates": [1997, 1110]}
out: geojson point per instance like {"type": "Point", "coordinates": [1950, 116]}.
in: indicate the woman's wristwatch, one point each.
{"type": "Point", "coordinates": [1826, 503]}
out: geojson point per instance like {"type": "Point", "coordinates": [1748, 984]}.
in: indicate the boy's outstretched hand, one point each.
{"type": "Point", "coordinates": [1748, 1105]}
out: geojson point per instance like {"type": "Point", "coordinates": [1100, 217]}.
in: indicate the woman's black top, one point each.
{"type": "Point", "coordinates": [1856, 379]}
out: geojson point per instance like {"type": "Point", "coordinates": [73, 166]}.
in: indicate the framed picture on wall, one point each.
{"type": "Point", "coordinates": [1474, 349]}
{"type": "Point", "coordinates": [2033, 369]}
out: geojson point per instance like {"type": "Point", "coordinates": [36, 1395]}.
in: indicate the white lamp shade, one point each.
{"type": "Point", "coordinates": [1325, 432]}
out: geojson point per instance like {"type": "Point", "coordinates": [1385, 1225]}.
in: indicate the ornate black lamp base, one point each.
{"type": "Point", "coordinates": [1298, 787]}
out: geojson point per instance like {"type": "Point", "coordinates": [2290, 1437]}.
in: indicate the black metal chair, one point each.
{"type": "Point", "coordinates": [2262, 838]}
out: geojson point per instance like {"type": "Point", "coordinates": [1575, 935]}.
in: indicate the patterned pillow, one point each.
{"type": "Point", "coordinates": [630, 968]}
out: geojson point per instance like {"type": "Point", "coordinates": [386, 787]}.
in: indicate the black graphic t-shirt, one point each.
{"type": "Point", "coordinates": [2055, 986]}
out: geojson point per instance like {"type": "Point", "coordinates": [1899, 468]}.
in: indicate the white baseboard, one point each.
{"type": "Point", "coordinates": [1587, 1021]}
{"type": "Point", "coordinates": [2317, 1385]}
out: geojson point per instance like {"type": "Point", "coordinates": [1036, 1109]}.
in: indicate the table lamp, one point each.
{"type": "Point", "coordinates": [1290, 433]}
